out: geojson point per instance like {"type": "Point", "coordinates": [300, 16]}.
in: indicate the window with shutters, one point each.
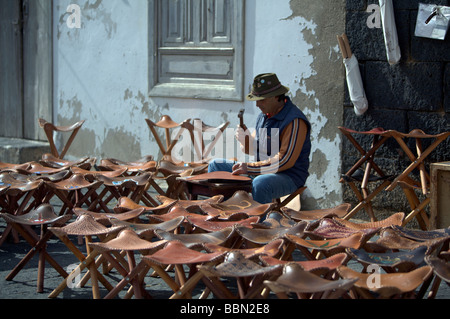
{"type": "Point", "coordinates": [197, 49]}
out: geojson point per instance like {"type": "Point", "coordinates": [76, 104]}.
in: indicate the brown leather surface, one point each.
{"type": "Point", "coordinates": [168, 168]}
{"type": "Point", "coordinates": [85, 225]}
{"type": "Point", "coordinates": [175, 253]}
{"type": "Point", "coordinates": [128, 240]}
{"type": "Point", "coordinates": [190, 203]}
{"type": "Point", "coordinates": [295, 279]}
{"type": "Point", "coordinates": [140, 180]}
{"type": "Point", "coordinates": [147, 230]}
{"type": "Point", "coordinates": [76, 181]}
{"type": "Point", "coordinates": [174, 212]}
{"type": "Point", "coordinates": [129, 215]}
{"type": "Point", "coordinates": [107, 165]}
{"type": "Point", "coordinates": [44, 214]}
{"type": "Point", "coordinates": [240, 203]}
{"type": "Point", "coordinates": [339, 211]}
{"type": "Point", "coordinates": [193, 240]}
{"type": "Point", "coordinates": [389, 284]}
{"type": "Point", "coordinates": [330, 228]}
{"type": "Point", "coordinates": [440, 267]}
{"type": "Point", "coordinates": [395, 219]}
{"type": "Point", "coordinates": [211, 226]}
{"type": "Point", "coordinates": [330, 263]}
{"type": "Point", "coordinates": [271, 249]}
{"type": "Point", "coordinates": [353, 241]}
{"type": "Point", "coordinates": [236, 265]}
{"type": "Point", "coordinates": [264, 236]}
{"type": "Point", "coordinates": [126, 204]}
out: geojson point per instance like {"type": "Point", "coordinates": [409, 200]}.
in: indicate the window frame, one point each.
{"type": "Point", "coordinates": [198, 88]}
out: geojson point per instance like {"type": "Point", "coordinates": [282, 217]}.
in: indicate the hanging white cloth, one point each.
{"type": "Point", "coordinates": [355, 85]}
{"type": "Point", "coordinates": [390, 31]}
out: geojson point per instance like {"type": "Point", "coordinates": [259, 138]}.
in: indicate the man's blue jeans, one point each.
{"type": "Point", "coordinates": [265, 188]}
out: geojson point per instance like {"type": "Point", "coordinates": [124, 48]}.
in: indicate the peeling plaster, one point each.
{"type": "Point", "coordinates": [321, 93]}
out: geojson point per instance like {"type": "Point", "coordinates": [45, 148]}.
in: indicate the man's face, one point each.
{"type": "Point", "coordinates": [269, 105]}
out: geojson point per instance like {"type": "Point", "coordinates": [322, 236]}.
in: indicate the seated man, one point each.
{"type": "Point", "coordinates": [282, 173]}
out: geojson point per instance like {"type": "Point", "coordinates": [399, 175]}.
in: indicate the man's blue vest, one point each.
{"type": "Point", "coordinates": [299, 172]}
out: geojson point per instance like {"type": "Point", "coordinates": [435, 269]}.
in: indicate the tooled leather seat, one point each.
{"type": "Point", "coordinates": [147, 231]}
{"type": "Point", "coordinates": [125, 204]}
{"type": "Point", "coordinates": [327, 246]}
{"type": "Point", "coordinates": [106, 218]}
{"type": "Point", "coordinates": [127, 241]}
{"type": "Point", "coordinates": [388, 285]}
{"type": "Point", "coordinates": [310, 215]}
{"type": "Point", "coordinates": [271, 249]}
{"type": "Point", "coordinates": [264, 236]}
{"type": "Point", "coordinates": [328, 228]}
{"type": "Point", "coordinates": [50, 160]}
{"type": "Point", "coordinates": [43, 216]}
{"type": "Point", "coordinates": [197, 240]}
{"type": "Point", "coordinates": [305, 284]}
{"type": "Point", "coordinates": [208, 225]}
{"type": "Point", "coordinates": [240, 205]}
{"type": "Point", "coordinates": [403, 261]}
{"type": "Point", "coordinates": [319, 267]}
{"type": "Point", "coordinates": [235, 265]}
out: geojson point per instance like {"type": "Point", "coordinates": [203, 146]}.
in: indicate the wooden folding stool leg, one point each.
{"type": "Point", "coordinates": [42, 217]}
{"type": "Point", "coordinates": [177, 254]}
{"type": "Point", "coordinates": [50, 128]}
{"type": "Point", "coordinates": [85, 226]}
{"type": "Point", "coordinates": [70, 191]}
{"type": "Point", "coordinates": [282, 202]}
{"type": "Point", "coordinates": [167, 124]}
{"type": "Point", "coordinates": [365, 166]}
{"type": "Point", "coordinates": [128, 241]}
{"type": "Point", "coordinates": [408, 184]}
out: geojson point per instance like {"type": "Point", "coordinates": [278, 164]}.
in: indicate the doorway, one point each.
{"type": "Point", "coordinates": [25, 67]}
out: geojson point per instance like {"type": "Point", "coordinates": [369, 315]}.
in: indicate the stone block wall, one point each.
{"type": "Point", "coordinates": [413, 94]}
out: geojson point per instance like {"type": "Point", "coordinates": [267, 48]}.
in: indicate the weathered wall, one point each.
{"type": "Point", "coordinates": [101, 75]}
{"type": "Point", "coordinates": [411, 94]}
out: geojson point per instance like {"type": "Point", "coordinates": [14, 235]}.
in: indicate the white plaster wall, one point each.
{"type": "Point", "coordinates": [101, 75]}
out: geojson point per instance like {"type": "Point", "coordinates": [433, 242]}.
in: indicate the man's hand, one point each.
{"type": "Point", "coordinates": [240, 169]}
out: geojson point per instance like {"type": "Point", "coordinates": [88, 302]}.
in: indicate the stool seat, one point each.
{"type": "Point", "coordinates": [216, 183]}
{"type": "Point", "coordinates": [147, 231]}
{"type": "Point", "coordinates": [338, 211]}
{"type": "Point", "coordinates": [271, 249]}
{"type": "Point", "coordinates": [197, 240]}
{"type": "Point", "coordinates": [391, 239]}
{"type": "Point", "coordinates": [389, 284]}
{"type": "Point", "coordinates": [315, 266]}
{"type": "Point", "coordinates": [240, 203]}
{"type": "Point", "coordinates": [167, 168]}
{"type": "Point", "coordinates": [409, 259]}
{"type": "Point", "coordinates": [176, 253]}
{"type": "Point", "coordinates": [126, 240]}
{"type": "Point", "coordinates": [330, 228]}
{"type": "Point", "coordinates": [213, 225]}
{"type": "Point", "coordinates": [108, 217]}
{"type": "Point", "coordinates": [296, 280]}
{"type": "Point", "coordinates": [85, 225]}
{"type": "Point", "coordinates": [422, 235]}
{"type": "Point", "coordinates": [43, 215]}
{"type": "Point", "coordinates": [353, 241]}
{"type": "Point", "coordinates": [264, 236]}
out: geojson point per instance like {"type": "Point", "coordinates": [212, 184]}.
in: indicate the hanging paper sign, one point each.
{"type": "Point", "coordinates": [432, 21]}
